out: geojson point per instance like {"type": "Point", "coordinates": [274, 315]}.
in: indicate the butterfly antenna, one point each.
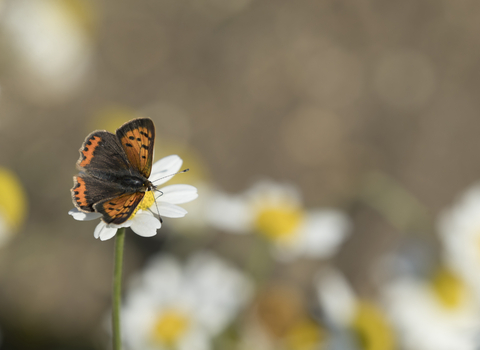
{"type": "Point", "coordinates": [183, 171]}
{"type": "Point", "coordinates": [153, 188]}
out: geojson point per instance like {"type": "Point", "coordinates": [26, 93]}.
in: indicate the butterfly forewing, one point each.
{"type": "Point", "coordinates": [137, 139]}
{"type": "Point", "coordinates": [102, 153]}
{"type": "Point", "coordinates": [119, 209]}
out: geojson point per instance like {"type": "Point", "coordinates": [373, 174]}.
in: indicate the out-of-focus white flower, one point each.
{"type": "Point", "coordinates": [433, 315]}
{"type": "Point", "coordinates": [52, 43]}
{"type": "Point", "coordinates": [182, 308]}
{"type": "Point", "coordinates": [459, 230]}
{"type": "Point", "coordinates": [195, 223]}
{"type": "Point", "coordinates": [275, 211]}
{"type": "Point", "coordinates": [335, 296]}
{"type": "Point", "coordinates": [143, 222]}
{"type": "Point", "coordinates": [344, 311]}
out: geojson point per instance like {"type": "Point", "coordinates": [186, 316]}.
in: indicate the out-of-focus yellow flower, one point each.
{"type": "Point", "coordinates": [279, 307]}
{"type": "Point", "coordinates": [448, 288]}
{"type": "Point", "coordinates": [110, 117]}
{"type": "Point", "coordinates": [282, 321]}
{"type": "Point", "coordinates": [372, 327]}
{"type": "Point", "coordinates": [81, 12]}
{"type": "Point", "coordinates": [346, 311]}
{"type": "Point", "coordinates": [13, 204]}
{"type": "Point", "coordinates": [305, 335]}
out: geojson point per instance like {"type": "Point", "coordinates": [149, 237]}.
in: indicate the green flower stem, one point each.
{"type": "Point", "coordinates": [117, 289]}
{"type": "Point", "coordinates": [260, 263]}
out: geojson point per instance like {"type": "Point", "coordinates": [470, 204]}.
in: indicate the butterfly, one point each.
{"type": "Point", "coordinates": [114, 171]}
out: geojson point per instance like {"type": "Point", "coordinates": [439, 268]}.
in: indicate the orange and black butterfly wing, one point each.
{"type": "Point", "coordinates": [117, 210]}
{"type": "Point", "coordinates": [88, 190]}
{"type": "Point", "coordinates": [102, 155]}
{"type": "Point", "coordinates": [137, 138]}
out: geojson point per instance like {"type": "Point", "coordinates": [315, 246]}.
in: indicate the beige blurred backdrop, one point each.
{"type": "Point", "coordinates": [327, 95]}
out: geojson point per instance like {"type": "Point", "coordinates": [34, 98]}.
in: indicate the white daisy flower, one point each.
{"type": "Point", "coordinates": [143, 222]}
{"type": "Point", "coordinates": [51, 42]}
{"type": "Point", "coordinates": [182, 307]}
{"type": "Point", "coordinates": [459, 229]}
{"type": "Point", "coordinates": [441, 314]}
{"type": "Point", "coordinates": [275, 211]}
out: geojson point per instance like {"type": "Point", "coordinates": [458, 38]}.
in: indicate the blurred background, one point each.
{"type": "Point", "coordinates": [350, 126]}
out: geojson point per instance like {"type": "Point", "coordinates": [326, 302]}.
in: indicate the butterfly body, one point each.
{"type": "Point", "coordinates": [114, 171]}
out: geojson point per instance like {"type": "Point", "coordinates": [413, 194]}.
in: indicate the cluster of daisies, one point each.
{"type": "Point", "coordinates": [206, 302]}
{"type": "Point", "coordinates": [425, 299]}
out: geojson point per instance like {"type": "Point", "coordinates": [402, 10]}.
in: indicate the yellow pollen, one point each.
{"type": "Point", "coordinates": [448, 288]}
{"type": "Point", "coordinates": [305, 335]}
{"type": "Point", "coordinates": [372, 328]}
{"type": "Point", "coordinates": [146, 203]}
{"type": "Point", "coordinates": [280, 222]}
{"type": "Point", "coordinates": [169, 327]}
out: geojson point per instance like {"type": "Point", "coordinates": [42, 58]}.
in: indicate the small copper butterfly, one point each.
{"type": "Point", "coordinates": [114, 170]}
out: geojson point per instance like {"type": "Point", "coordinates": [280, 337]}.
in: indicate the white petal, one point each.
{"type": "Point", "coordinates": [81, 216]}
{"type": "Point", "coordinates": [165, 166]}
{"type": "Point", "coordinates": [335, 296]}
{"type": "Point", "coordinates": [217, 289]}
{"type": "Point", "coordinates": [229, 213]}
{"type": "Point", "coordinates": [195, 339]}
{"type": "Point", "coordinates": [104, 232]}
{"type": "Point", "coordinates": [324, 232]}
{"type": "Point", "coordinates": [145, 224]}
{"type": "Point", "coordinates": [178, 194]}
{"type": "Point", "coordinates": [171, 210]}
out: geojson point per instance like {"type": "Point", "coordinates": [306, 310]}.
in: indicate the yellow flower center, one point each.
{"type": "Point", "coordinates": [169, 327]}
{"type": "Point", "coordinates": [448, 288]}
{"type": "Point", "coordinates": [372, 328]}
{"type": "Point", "coordinates": [146, 203]}
{"type": "Point", "coordinates": [279, 223]}
{"type": "Point", "coordinates": [305, 335]}
{"type": "Point", "coordinates": [13, 201]}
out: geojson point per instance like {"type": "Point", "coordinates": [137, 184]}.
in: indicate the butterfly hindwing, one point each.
{"type": "Point", "coordinates": [137, 139]}
{"type": "Point", "coordinates": [117, 210]}
{"type": "Point", "coordinates": [88, 190]}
